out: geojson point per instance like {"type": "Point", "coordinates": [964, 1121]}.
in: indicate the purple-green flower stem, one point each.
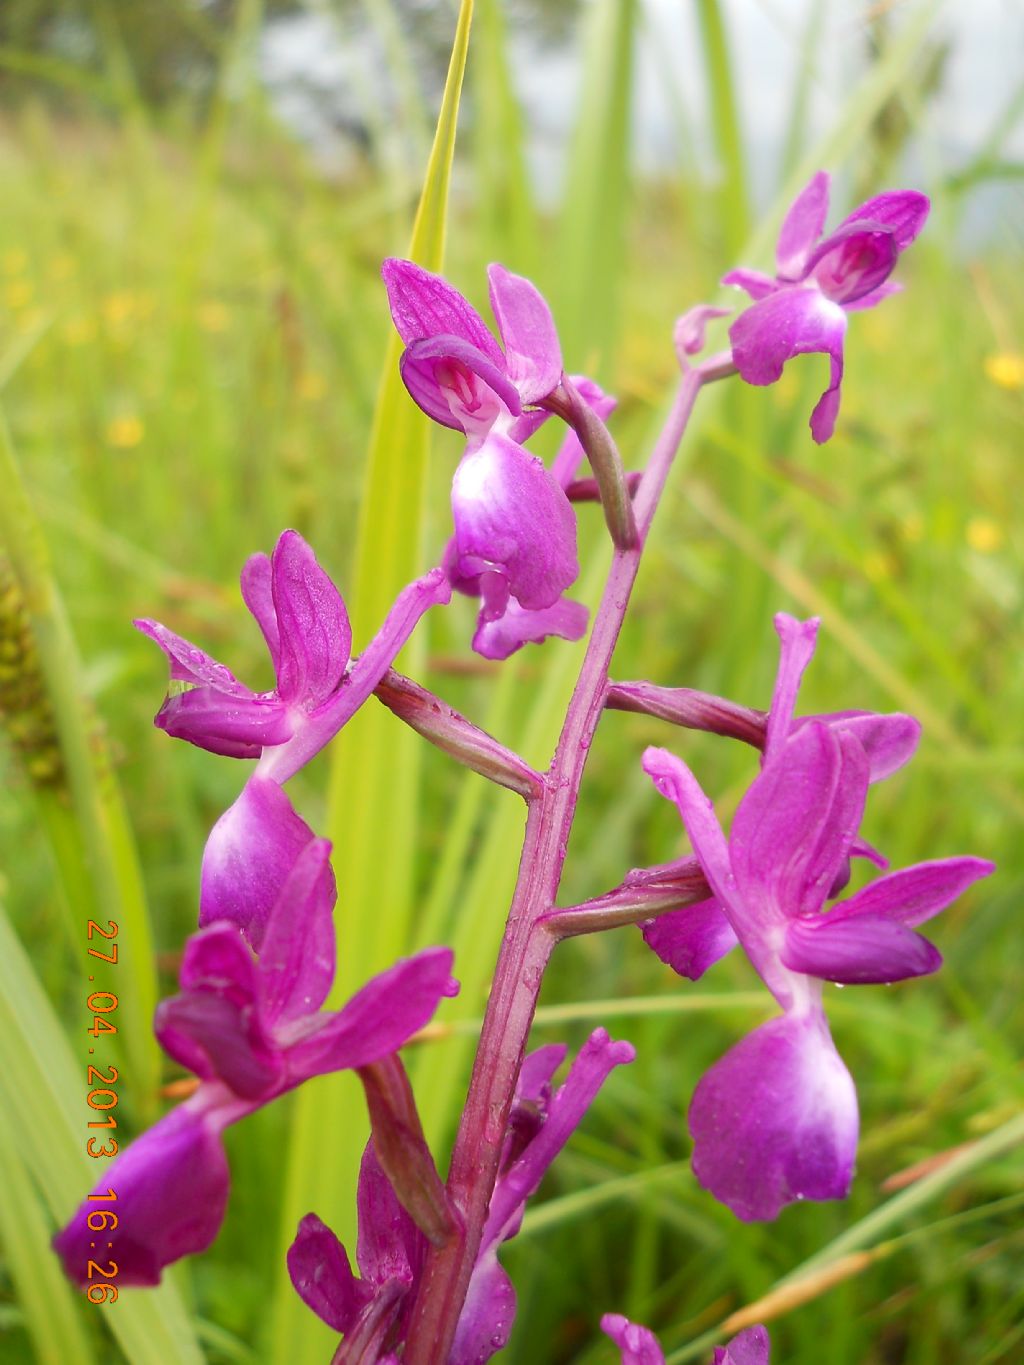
{"type": "Point", "coordinates": [445, 728]}
{"type": "Point", "coordinates": [631, 903]}
{"type": "Point", "coordinates": [687, 707]}
{"type": "Point", "coordinates": [605, 461]}
{"type": "Point", "coordinates": [525, 951]}
{"type": "Point", "coordinates": [588, 490]}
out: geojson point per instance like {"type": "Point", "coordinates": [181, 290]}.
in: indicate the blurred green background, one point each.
{"type": "Point", "coordinates": [197, 197]}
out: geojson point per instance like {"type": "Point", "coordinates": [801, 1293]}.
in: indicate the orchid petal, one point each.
{"type": "Point", "coordinates": [676, 783]}
{"type": "Point", "coordinates": [377, 1020]}
{"type": "Point", "coordinates": [797, 640]}
{"type": "Point", "coordinates": [258, 595]}
{"type": "Point", "coordinates": [690, 330]}
{"type": "Point", "coordinates": [532, 1101]}
{"type": "Point", "coordinates": [512, 519]}
{"type": "Point", "coordinates": [366, 671]}
{"type": "Point", "coordinates": [793, 829]}
{"type": "Point", "coordinates": [214, 1026]}
{"type": "Point", "coordinates": [516, 627]}
{"type": "Point", "coordinates": [488, 1313]}
{"type": "Point", "coordinates": [889, 741]}
{"type": "Point", "coordinates": [390, 1246]}
{"type": "Point", "coordinates": [903, 212]}
{"type": "Point", "coordinates": [527, 424]}
{"type": "Point", "coordinates": [250, 852]}
{"type": "Point", "coordinates": [597, 1058]}
{"type": "Point", "coordinates": [426, 305]}
{"type": "Point", "coordinates": [692, 939]}
{"type": "Point", "coordinates": [220, 724]}
{"type": "Point", "coordinates": [914, 894]}
{"type": "Point", "coordinates": [189, 663]}
{"type": "Point", "coordinates": [802, 226]}
{"type": "Point", "coordinates": [532, 353]}
{"type": "Point", "coordinates": [853, 262]}
{"type": "Point", "coordinates": [751, 1347]}
{"type": "Point", "coordinates": [858, 950]}
{"type": "Point", "coordinates": [458, 385]}
{"type": "Point", "coordinates": [172, 1190]}
{"type": "Point", "coordinates": [753, 282]}
{"type": "Point", "coordinates": [789, 323]}
{"type": "Point", "coordinates": [218, 713]}
{"type": "Point", "coordinates": [776, 1120]}
{"type": "Point", "coordinates": [534, 1083]}
{"type": "Point", "coordinates": [639, 1345]}
{"type": "Point", "coordinates": [860, 848]}
{"type": "Point", "coordinates": [322, 1276]}
{"type": "Point", "coordinates": [297, 957]}
{"type": "Point", "coordinates": [315, 638]}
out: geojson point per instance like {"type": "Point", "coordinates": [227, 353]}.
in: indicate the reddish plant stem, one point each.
{"type": "Point", "coordinates": [526, 946]}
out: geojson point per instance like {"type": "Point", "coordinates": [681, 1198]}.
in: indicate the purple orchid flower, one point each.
{"type": "Point", "coordinates": [498, 637]}
{"type": "Point", "coordinates": [639, 1345]}
{"type": "Point", "coordinates": [515, 530]}
{"type": "Point", "coordinates": [776, 1119]}
{"type": "Point", "coordinates": [306, 627]}
{"type": "Point", "coordinates": [250, 1028]}
{"type": "Point", "coordinates": [372, 1311]}
{"type": "Point", "coordinates": [819, 280]}
{"type": "Point", "coordinates": [692, 939]}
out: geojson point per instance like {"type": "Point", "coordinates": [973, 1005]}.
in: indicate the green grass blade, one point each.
{"type": "Point", "coordinates": [103, 863]}
{"type": "Point", "coordinates": [507, 215]}
{"type": "Point", "coordinates": [44, 1084]}
{"type": "Point", "coordinates": [375, 833]}
{"type": "Point", "coordinates": [798, 121]}
{"type": "Point", "coordinates": [865, 1234]}
{"type": "Point", "coordinates": [48, 1303]}
{"type": "Point", "coordinates": [734, 214]}
{"type": "Point", "coordinates": [587, 293]}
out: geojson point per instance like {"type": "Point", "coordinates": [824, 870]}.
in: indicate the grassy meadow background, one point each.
{"type": "Point", "coordinates": [192, 343]}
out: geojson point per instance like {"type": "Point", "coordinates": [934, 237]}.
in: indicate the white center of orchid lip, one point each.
{"type": "Point", "coordinates": [471, 478]}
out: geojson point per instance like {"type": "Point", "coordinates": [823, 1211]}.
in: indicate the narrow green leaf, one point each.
{"type": "Point", "coordinates": [865, 1233]}
{"type": "Point", "coordinates": [375, 770]}
{"type": "Point", "coordinates": [587, 292]}
{"type": "Point", "coordinates": [102, 862]}
{"type": "Point", "coordinates": [44, 1084]}
{"type": "Point", "coordinates": [734, 215]}
{"type": "Point", "coordinates": [48, 1303]}
{"type": "Point", "coordinates": [506, 212]}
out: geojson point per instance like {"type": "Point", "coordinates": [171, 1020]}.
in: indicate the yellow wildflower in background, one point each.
{"type": "Point", "coordinates": [15, 260]}
{"type": "Point", "coordinates": [213, 316]}
{"type": "Point", "coordinates": [1006, 368]}
{"type": "Point", "coordinates": [984, 535]}
{"type": "Point", "coordinates": [18, 295]}
{"type": "Point", "coordinates": [125, 432]}
{"type": "Point", "coordinates": [311, 387]}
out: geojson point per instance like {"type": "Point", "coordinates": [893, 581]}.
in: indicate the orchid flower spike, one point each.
{"type": "Point", "coordinates": [776, 1119]}
{"type": "Point", "coordinates": [639, 1345]}
{"type": "Point", "coordinates": [372, 1310]}
{"type": "Point", "coordinates": [306, 628]}
{"type": "Point", "coordinates": [250, 1027]}
{"type": "Point", "coordinates": [819, 280]}
{"type": "Point", "coordinates": [515, 530]}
